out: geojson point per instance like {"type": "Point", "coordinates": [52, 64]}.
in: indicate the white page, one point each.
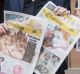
{"type": "Point", "coordinates": [62, 35]}
{"type": "Point", "coordinates": [20, 46]}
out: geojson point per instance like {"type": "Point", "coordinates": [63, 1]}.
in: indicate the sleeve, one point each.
{"type": "Point", "coordinates": [1, 10]}
{"type": "Point", "coordinates": [12, 5]}
{"type": "Point", "coordinates": [67, 4]}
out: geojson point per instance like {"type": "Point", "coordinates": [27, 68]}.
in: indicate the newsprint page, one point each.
{"type": "Point", "coordinates": [61, 35]}
{"type": "Point", "coordinates": [20, 46]}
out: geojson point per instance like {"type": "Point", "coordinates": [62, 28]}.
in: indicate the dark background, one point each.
{"type": "Point", "coordinates": [1, 10]}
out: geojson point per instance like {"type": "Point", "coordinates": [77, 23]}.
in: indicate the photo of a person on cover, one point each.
{"type": "Point", "coordinates": [33, 7]}
{"type": "Point", "coordinates": [13, 43]}
{"type": "Point", "coordinates": [56, 39]}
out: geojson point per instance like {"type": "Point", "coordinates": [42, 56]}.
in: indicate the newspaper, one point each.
{"type": "Point", "coordinates": [75, 21]}
{"type": "Point", "coordinates": [60, 37]}
{"type": "Point", "coordinates": [78, 43]}
{"type": "Point", "coordinates": [20, 46]}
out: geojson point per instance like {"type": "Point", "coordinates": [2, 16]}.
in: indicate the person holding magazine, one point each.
{"type": "Point", "coordinates": [32, 7]}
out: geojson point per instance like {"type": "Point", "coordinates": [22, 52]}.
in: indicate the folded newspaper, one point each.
{"type": "Point", "coordinates": [25, 34]}
{"type": "Point", "coordinates": [20, 46]}
{"type": "Point", "coordinates": [61, 35]}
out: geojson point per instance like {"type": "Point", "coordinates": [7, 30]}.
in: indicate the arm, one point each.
{"type": "Point", "coordinates": [1, 10]}
{"type": "Point", "coordinates": [66, 4]}
{"type": "Point", "coordinates": [14, 5]}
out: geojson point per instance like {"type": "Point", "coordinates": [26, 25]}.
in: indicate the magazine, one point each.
{"type": "Point", "coordinates": [60, 37]}
{"type": "Point", "coordinates": [20, 46]}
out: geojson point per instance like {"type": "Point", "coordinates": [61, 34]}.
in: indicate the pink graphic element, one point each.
{"type": "Point", "coordinates": [2, 73]}
{"type": "Point", "coordinates": [18, 69]}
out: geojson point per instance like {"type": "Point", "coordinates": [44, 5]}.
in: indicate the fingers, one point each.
{"type": "Point", "coordinates": [77, 12]}
{"type": "Point", "coordinates": [77, 9]}
{"type": "Point", "coordinates": [2, 30]}
{"type": "Point", "coordinates": [61, 11]}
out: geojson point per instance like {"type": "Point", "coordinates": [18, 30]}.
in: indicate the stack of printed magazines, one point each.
{"type": "Point", "coordinates": [37, 43]}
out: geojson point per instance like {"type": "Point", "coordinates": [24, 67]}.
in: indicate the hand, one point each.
{"type": "Point", "coordinates": [61, 11]}
{"type": "Point", "coordinates": [2, 30]}
{"type": "Point", "coordinates": [77, 12]}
